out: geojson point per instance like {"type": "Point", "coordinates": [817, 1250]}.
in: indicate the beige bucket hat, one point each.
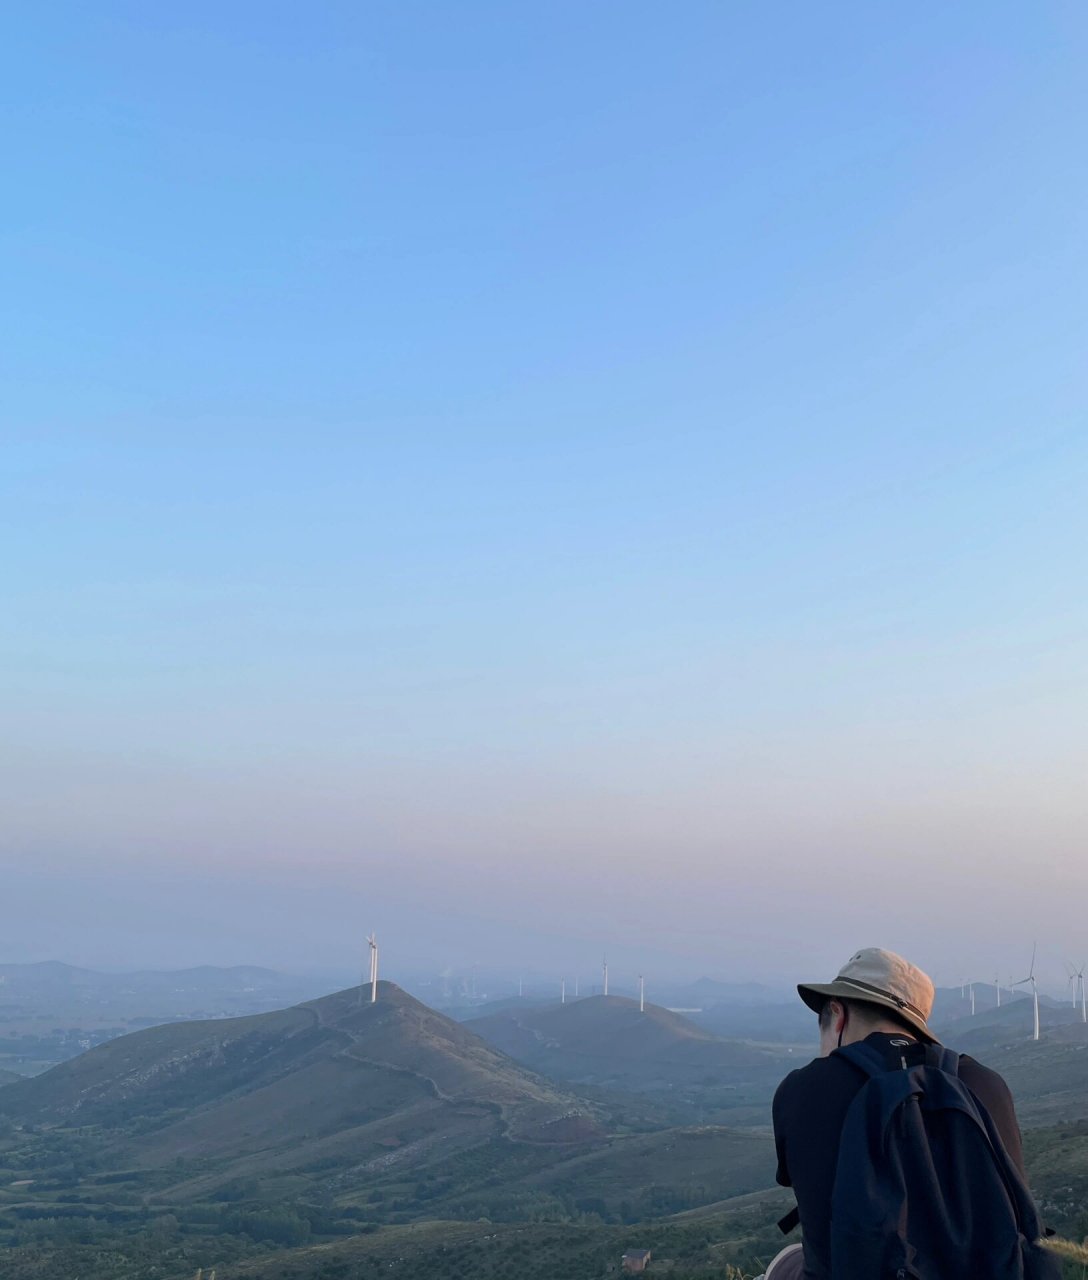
{"type": "Point", "coordinates": [881, 978]}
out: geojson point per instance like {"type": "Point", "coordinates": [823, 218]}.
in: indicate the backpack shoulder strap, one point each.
{"type": "Point", "coordinates": [946, 1060]}
{"type": "Point", "coordinates": [864, 1056]}
{"type": "Point", "coordinates": [868, 1058]}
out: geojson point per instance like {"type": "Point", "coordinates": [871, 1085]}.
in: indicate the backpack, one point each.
{"type": "Point", "coordinates": [924, 1188]}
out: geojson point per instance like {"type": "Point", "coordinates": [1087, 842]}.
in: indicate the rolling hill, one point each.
{"type": "Point", "coordinates": [348, 1132]}
{"type": "Point", "coordinates": [786, 1022]}
{"type": "Point", "coordinates": [608, 1041]}
{"type": "Point", "coordinates": [332, 1089]}
{"type": "Point", "coordinates": [991, 1027]}
{"type": "Point", "coordinates": [324, 1121]}
{"type": "Point", "coordinates": [1048, 1077]}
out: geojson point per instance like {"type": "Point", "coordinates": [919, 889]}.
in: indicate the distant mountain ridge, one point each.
{"type": "Point", "coordinates": [55, 976]}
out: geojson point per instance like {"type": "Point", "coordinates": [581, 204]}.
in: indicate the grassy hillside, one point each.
{"type": "Point", "coordinates": [1057, 1160]}
{"type": "Point", "coordinates": [1048, 1077]}
{"type": "Point", "coordinates": [609, 1041]}
{"type": "Point", "coordinates": [786, 1022]}
{"type": "Point", "coordinates": [730, 1245]}
{"type": "Point", "coordinates": [733, 1243]}
{"type": "Point", "coordinates": [328, 1120]}
{"type": "Point", "coordinates": [999, 1026]}
{"type": "Point", "coordinates": [341, 1141]}
{"type": "Point", "coordinates": [328, 1093]}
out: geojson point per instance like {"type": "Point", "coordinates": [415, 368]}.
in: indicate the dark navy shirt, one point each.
{"type": "Point", "coordinates": [809, 1109]}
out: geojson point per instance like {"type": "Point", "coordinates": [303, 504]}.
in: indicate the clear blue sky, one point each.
{"type": "Point", "coordinates": [619, 466]}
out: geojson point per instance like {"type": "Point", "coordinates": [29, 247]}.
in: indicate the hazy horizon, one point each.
{"type": "Point", "coordinates": [544, 482]}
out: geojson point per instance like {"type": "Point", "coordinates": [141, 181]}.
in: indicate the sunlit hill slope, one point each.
{"type": "Point", "coordinates": [332, 1084]}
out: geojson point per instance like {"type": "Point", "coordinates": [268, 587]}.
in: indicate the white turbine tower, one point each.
{"type": "Point", "coordinates": [971, 988]}
{"type": "Point", "coordinates": [576, 981]}
{"type": "Point", "coordinates": [997, 988]}
{"type": "Point", "coordinates": [373, 941]}
{"type": "Point", "coordinates": [1076, 981]}
{"type": "Point", "coordinates": [562, 991]}
{"type": "Point", "coordinates": [1034, 991]}
{"type": "Point", "coordinates": [641, 994]}
{"type": "Point", "coordinates": [606, 975]}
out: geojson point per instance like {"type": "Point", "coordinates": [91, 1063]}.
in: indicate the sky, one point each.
{"type": "Point", "coordinates": [543, 479]}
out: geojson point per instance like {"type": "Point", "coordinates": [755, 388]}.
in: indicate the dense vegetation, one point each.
{"type": "Point", "coordinates": [337, 1141]}
{"type": "Point", "coordinates": [305, 1243]}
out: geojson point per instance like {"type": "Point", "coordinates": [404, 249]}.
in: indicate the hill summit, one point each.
{"type": "Point", "coordinates": [335, 1083]}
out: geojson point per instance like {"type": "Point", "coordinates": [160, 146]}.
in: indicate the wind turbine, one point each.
{"type": "Point", "coordinates": [373, 941]}
{"type": "Point", "coordinates": [606, 975]}
{"type": "Point", "coordinates": [997, 988]}
{"type": "Point", "coordinates": [641, 994]}
{"type": "Point", "coordinates": [562, 991]}
{"type": "Point", "coordinates": [576, 981]}
{"type": "Point", "coordinates": [971, 988]}
{"type": "Point", "coordinates": [1076, 981]}
{"type": "Point", "coordinates": [1034, 990]}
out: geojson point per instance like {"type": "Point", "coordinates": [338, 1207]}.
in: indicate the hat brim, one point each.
{"type": "Point", "coordinates": [816, 994]}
